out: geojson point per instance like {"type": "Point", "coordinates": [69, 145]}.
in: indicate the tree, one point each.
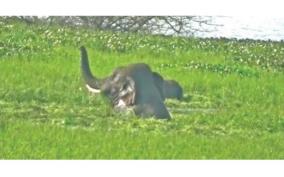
{"type": "Point", "coordinates": [168, 25]}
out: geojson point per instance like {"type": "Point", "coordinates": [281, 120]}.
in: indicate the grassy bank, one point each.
{"type": "Point", "coordinates": [46, 113]}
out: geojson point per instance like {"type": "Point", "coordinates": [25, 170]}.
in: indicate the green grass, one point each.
{"type": "Point", "coordinates": [46, 113]}
{"type": "Point", "coordinates": [52, 142]}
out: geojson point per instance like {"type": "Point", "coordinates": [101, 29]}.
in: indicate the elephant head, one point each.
{"type": "Point", "coordinates": [133, 86]}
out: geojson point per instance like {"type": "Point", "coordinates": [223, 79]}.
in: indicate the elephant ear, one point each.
{"type": "Point", "coordinates": [159, 83]}
{"type": "Point", "coordinates": [127, 93]}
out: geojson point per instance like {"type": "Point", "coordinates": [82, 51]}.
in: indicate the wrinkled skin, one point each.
{"type": "Point", "coordinates": [133, 86]}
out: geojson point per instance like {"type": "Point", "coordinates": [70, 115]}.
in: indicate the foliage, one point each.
{"type": "Point", "coordinates": [32, 38]}
{"type": "Point", "coordinates": [171, 25]}
{"type": "Point", "coordinates": [233, 108]}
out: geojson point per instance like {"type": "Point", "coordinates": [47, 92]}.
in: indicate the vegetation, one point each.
{"type": "Point", "coordinates": [233, 107]}
{"type": "Point", "coordinates": [178, 25]}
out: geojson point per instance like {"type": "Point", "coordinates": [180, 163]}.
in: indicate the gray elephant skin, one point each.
{"type": "Point", "coordinates": [134, 86]}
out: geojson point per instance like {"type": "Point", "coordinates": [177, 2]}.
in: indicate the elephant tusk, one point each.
{"type": "Point", "coordinates": [92, 89]}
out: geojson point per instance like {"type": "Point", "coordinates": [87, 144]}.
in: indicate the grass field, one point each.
{"type": "Point", "coordinates": [46, 113]}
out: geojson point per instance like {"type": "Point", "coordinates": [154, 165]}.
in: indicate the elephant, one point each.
{"type": "Point", "coordinates": [133, 86]}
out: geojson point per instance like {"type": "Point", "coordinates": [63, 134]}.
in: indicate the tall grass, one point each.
{"type": "Point", "coordinates": [46, 113]}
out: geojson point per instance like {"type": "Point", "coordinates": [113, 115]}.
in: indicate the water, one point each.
{"type": "Point", "coordinates": [258, 28]}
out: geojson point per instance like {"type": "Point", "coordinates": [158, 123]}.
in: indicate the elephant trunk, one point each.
{"type": "Point", "coordinates": [92, 83]}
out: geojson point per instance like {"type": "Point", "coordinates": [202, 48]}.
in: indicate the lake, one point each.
{"type": "Point", "coordinates": [242, 27]}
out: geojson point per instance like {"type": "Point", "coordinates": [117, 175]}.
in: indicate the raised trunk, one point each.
{"type": "Point", "coordinates": [92, 83]}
